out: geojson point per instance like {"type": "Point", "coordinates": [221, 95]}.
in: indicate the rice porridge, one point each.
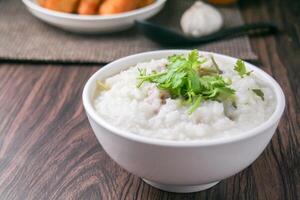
{"type": "Point", "coordinates": [185, 98]}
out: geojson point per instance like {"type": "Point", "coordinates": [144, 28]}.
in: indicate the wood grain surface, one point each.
{"type": "Point", "coordinates": [48, 150]}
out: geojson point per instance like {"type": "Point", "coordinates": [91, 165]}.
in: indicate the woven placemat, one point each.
{"type": "Point", "coordinates": [23, 37]}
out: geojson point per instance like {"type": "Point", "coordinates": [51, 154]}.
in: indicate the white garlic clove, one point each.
{"type": "Point", "coordinates": [201, 19]}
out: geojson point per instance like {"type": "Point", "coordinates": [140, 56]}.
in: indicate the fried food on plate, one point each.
{"type": "Point", "coordinates": [88, 7]}
{"type": "Point", "coordinates": [93, 7]}
{"type": "Point", "coordinates": [109, 7]}
{"type": "Point", "coordinates": [68, 6]}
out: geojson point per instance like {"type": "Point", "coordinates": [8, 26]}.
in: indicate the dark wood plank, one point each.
{"type": "Point", "coordinates": [48, 151]}
{"type": "Point", "coordinates": [280, 56]}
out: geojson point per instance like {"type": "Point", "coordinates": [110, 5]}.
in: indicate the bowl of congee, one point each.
{"type": "Point", "coordinates": [183, 120]}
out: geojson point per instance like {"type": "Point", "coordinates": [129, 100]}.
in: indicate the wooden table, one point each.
{"type": "Point", "coordinates": [48, 150]}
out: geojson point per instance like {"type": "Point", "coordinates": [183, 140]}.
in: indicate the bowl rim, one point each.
{"type": "Point", "coordinates": [33, 5]}
{"type": "Point", "coordinates": [273, 119]}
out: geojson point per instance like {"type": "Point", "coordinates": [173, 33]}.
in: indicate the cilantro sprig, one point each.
{"type": "Point", "coordinates": [185, 79]}
{"type": "Point", "coordinates": [240, 68]}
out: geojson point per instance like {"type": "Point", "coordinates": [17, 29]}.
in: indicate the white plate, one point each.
{"type": "Point", "coordinates": [93, 23]}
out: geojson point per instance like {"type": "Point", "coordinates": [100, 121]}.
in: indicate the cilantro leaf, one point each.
{"type": "Point", "coordinates": [240, 68]}
{"type": "Point", "coordinates": [259, 93]}
{"type": "Point", "coordinates": [195, 105]}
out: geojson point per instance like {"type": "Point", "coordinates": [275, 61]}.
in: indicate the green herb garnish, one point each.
{"type": "Point", "coordinates": [185, 79]}
{"type": "Point", "coordinates": [240, 68]}
{"type": "Point", "coordinates": [259, 93]}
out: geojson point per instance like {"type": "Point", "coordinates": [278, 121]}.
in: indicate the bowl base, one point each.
{"type": "Point", "coordinates": [181, 188]}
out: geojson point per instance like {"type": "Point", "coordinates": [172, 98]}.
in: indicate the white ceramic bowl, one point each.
{"type": "Point", "coordinates": [93, 23]}
{"type": "Point", "coordinates": [180, 166]}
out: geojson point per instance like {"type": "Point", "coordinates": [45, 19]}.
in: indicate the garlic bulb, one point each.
{"type": "Point", "coordinates": [201, 19]}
